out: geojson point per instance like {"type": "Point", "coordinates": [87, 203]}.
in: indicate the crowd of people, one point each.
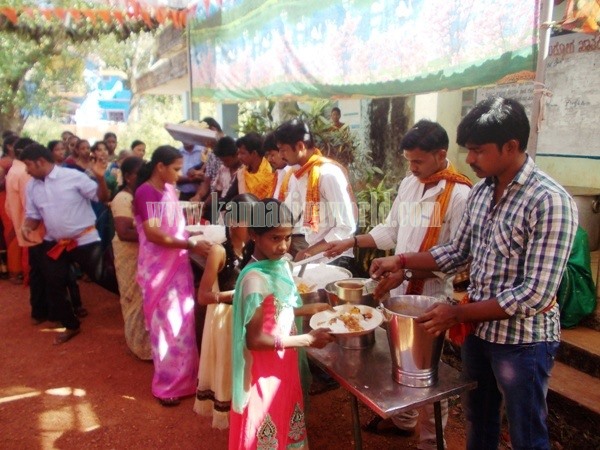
{"type": "Point", "coordinates": [73, 209]}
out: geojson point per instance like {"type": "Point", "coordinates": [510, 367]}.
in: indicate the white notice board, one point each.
{"type": "Point", "coordinates": [572, 117]}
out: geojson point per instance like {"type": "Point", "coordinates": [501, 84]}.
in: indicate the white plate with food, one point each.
{"type": "Point", "coordinates": [319, 275]}
{"type": "Point", "coordinates": [348, 320]}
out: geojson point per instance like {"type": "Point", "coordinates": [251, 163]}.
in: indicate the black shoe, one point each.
{"type": "Point", "coordinates": [169, 402]}
{"type": "Point", "coordinates": [380, 426]}
{"type": "Point", "coordinates": [81, 312]}
{"type": "Point", "coordinates": [66, 335]}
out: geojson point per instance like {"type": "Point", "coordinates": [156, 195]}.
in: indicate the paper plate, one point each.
{"type": "Point", "coordinates": [324, 319]}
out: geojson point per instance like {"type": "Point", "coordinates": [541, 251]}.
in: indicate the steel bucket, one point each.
{"type": "Point", "coordinates": [415, 353]}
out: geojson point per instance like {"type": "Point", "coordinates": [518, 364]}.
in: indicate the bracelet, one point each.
{"type": "Point", "coordinates": [278, 344]}
{"type": "Point", "coordinates": [402, 260]}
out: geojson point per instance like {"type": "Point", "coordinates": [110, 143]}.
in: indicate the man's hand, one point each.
{"type": "Point", "coordinates": [336, 248]}
{"type": "Point", "coordinates": [195, 174]}
{"type": "Point", "coordinates": [388, 282]}
{"type": "Point", "coordinates": [439, 318]}
{"type": "Point", "coordinates": [381, 266]}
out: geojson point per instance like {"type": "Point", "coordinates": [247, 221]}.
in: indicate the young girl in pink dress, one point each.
{"type": "Point", "coordinates": [267, 410]}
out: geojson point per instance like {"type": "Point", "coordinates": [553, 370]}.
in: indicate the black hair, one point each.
{"type": "Point", "coordinates": [109, 134]}
{"type": "Point", "coordinates": [268, 214]}
{"type": "Point", "coordinates": [425, 135]}
{"type": "Point", "coordinates": [10, 139]}
{"type": "Point", "coordinates": [35, 151]}
{"type": "Point", "coordinates": [135, 143]}
{"type": "Point", "coordinates": [53, 143]}
{"type": "Point", "coordinates": [225, 147]}
{"type": "Point", "coordinates": [269, 142]}
{"type": "Point", "coordinates": [494, 120]}
{"type": "Point", "coordinates": [7, 133]}
{"type": "Point", "coordinates": [294, 131]}
{"type": "Point", "coordinates": [253, 143]}
{"type": "Point", "coordinates": [165, 154]}
{"type": "Point", "coordinates": [21, 143]}
{"type": "Point", "coordinates": [212, 123]}
{"type": "Point", "coordinates": [130, 165]}
{"type": "Point", "coordinates": [335, 108]}
{"type": "Point", "coordinates": [239, 209]}
{"type": "Point", "coordinates": [96, 145]}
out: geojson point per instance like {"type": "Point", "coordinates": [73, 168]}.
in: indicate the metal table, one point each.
{"type": "Point", "coordinates": [367, 375]}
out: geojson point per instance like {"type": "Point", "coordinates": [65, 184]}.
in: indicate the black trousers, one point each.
{"type": "Point", "coordinates": [57, 272]}
{"type": "Point", "coordinates": [37, 287]}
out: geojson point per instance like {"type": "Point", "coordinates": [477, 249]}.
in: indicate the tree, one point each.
{"type": "Point", "coordinates": [40, 57]}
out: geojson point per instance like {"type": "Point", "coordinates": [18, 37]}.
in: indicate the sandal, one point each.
{"type": "Point", "coordinates": [170, 401]}
{"type": "Point", "coordinates": [380, 426]}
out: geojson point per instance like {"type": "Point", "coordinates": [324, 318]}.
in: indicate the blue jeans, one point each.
{"type": "Point", "coordinates": [515, 374]}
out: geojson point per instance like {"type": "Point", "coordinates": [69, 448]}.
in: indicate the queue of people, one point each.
{"type": "Point", "coordinates": [277, 195]}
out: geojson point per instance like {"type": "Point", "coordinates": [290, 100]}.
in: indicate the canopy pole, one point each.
{"type": "Point", "coordinates": [546, 7]}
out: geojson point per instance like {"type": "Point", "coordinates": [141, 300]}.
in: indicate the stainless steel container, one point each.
{"type": "Point", "coordinates": [366, 298]}
{"type": "Point", "coordinates": [318, 296]}
{"type": "Point", "coordinates": [350, 290]}
{"type": "Point", "coordinates": [356, 342]}
{"type": "Point", "coordinates": [415, 353]}
{"type": "Point", "coordinates": [353, 342]}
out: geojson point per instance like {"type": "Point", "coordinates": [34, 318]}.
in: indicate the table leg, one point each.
{"type": "Point", "coordinates": [439, 432]}
{"type": "Point", "coordinates": [356, 423]}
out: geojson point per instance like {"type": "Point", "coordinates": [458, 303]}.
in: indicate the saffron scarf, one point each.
{"type": "Point", "coordinates": [261, 182]}
{"type": "Point", "coordinates": [313, 196]}
{"type": "Point", "coordinates": [452, 177]}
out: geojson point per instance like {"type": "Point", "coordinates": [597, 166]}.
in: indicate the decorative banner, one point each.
{"type": "Point", "coordinates": [152, 17]}
{"type": "Point", "coordinates": [582, 16]}
{"type": "Point", "coordinates": [251, 49]}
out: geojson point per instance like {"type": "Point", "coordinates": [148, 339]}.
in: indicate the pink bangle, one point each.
{"type": "Point", "coordinates": [402, 260]}
{"type": "Point", "coordinates": [278, 344]}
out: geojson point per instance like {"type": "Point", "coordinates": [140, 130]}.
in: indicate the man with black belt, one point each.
{"type": "Point", "coordinates": [61, 199]}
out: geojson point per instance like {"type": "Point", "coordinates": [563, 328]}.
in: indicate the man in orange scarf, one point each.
{"type": "Point", "coordinates": [318, 193]}
{"type": "Point", "coordinates": [428, 208]}
{"type": "Point", "coordinates": [256, 176]}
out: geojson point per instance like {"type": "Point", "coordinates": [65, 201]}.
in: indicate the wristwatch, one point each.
{"type": "Point", "coordinates": [408, 274]}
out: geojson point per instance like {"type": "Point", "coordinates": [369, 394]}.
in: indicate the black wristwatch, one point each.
{"type": "Point", "coordinates": [408, 274]}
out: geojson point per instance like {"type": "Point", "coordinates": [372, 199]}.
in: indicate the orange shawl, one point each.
{"type": "Point", "coordinates": [313, 196]}
{"type": "Point", "coordinates": [284, 185]}
{"type": "Point", "coordinates": [452, 177]}
{"type": "Point", "coordinates": [261, 182]}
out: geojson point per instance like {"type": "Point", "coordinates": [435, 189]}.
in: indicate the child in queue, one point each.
{"type": "Point", "coordinates": [267, 401]}
{"type": "Point", "coordinates": [223, 265]}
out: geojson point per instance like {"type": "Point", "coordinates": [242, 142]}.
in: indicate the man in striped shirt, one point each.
{"type": "Point", "coordinates": [517, 232]}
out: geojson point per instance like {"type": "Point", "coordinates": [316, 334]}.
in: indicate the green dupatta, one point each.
{"type": "Point", "coordinates": [280, 283]}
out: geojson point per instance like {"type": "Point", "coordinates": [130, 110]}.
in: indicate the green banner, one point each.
{"type": "Point", "coordinates": [250, 49]}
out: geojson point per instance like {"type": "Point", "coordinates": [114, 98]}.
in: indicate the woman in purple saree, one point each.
{"type": "Point", "coordinates": [165, 277]}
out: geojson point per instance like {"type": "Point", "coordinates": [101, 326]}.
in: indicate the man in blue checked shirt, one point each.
{"type": "Point", "coordinates": [517, 232]}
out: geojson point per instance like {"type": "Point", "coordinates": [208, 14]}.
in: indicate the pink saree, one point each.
{"type": "Point", "coordinates": [166, 280]}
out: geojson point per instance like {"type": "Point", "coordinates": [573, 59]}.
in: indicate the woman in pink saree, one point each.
{"type": "Point", "coordinates": [165, 277]}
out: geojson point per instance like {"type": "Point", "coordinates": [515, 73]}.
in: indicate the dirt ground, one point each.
{"type": "Point", "coordinates": [92, 393]}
